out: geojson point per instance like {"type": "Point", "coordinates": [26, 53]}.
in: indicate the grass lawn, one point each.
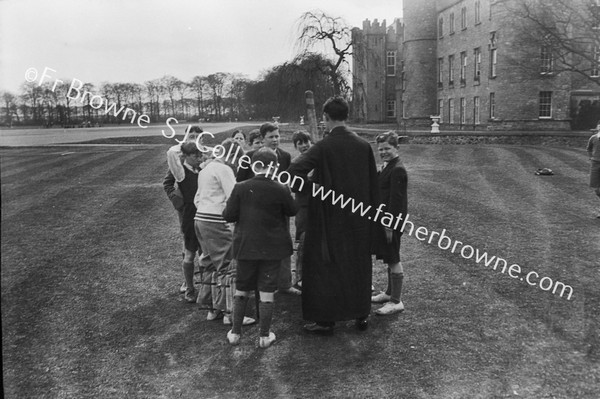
{"type": "Point", "coordinates": [91, 271]}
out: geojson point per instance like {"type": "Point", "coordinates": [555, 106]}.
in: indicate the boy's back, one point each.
{"type": "Point", "coordinates": [260, 207]}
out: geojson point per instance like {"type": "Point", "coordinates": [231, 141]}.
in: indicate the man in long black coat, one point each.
{"type": "Point", "coordinates": [336, 283]}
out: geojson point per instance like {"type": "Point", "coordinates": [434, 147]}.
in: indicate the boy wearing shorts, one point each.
{"type": "Point", "coordinates": [181, 184]}
{"type": "Point", "coordinates": [302, 142]}
{"type": "Point", "coordinates": [260, 207]}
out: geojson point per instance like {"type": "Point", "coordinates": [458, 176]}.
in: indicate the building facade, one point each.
{"type": "Point", "coordinates": [456, 61]}
{"type": "Point", "coordinates": [377, 71]}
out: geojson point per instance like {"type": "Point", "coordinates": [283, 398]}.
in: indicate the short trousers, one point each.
{"type": "Point", "coordinates": [595, 174]}
{"type": "Point", "coordinates": [257, 274]}
{"type": "Point", "coordinates": [388, 252]}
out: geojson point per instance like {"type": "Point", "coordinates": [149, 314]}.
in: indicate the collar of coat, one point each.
{"type": "Point", "coordinates": [340, 130]}
{"type": "Point", "coordinates": [391, 162]}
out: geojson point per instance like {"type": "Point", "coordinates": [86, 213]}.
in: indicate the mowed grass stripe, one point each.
{"type": "Point", "coordinates": [46, 159]}
{"type": "Point", "coordinates": [514, 221]}
{"type": "Point", "coordinates": [19, 199]}
{"type": "Point", "coordinates": [542, 220]}
{"type": "Point", "coordinates": [57, 159]}
{"type": "Point", "coordinates": [114, 326]}
{"type": "Point", "coordinates": [13, 158]}
{"type": "Point", "coordinates": [80, 290]}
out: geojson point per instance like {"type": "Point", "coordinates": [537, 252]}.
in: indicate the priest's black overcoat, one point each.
{"type": "Point", "coordinates": [337, 268]}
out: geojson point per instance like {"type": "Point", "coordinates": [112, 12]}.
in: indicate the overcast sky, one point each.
{"type": "Point", "coordinates": [135, 40]}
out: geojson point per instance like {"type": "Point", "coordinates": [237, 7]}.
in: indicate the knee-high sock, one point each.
{"type": "Point", "coordinates": [388, 290]}
{"type": "Point", "coordinates": [239, 310]}
{"type": "Point", "coordinates": [266, 315]}
{"type": "Point", "coordinates": [396, 280]}
{"type": "Point", "coordinates": [188, 274]}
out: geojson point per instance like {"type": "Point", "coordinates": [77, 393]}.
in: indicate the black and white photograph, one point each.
{"type": "Point", "coordinates": [300, 199]}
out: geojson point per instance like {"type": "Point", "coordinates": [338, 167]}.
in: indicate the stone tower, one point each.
{"type": "Point", "coordinates": [420, 62]}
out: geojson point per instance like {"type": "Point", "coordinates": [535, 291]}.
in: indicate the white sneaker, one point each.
{"type": "Point", "coordinates": [265, 342]}
{"type": "Point", "coordinates": [183, 288]}
{"type": "Point", "coordinates": [292, 291]}
{"type": "Point", "coordinates": [234, 339]}
{"type": "Point", "coordinates": [382, 297]}
{"type": "Point", "coordinates": [214, 315]}
{"type": "Point", "coordinates": [247, 320]}
{"type": "Point", "coordinates": [390, 308]}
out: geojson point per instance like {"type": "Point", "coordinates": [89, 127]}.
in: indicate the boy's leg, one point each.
{"type": "Point", "coordinates": [285, 274]}
{"type": "Point", "coordinates": [396, 280]}
{"type": "Point", "coordinates": [240, 301]}
{"type": "Point", "coordinates": [218, 248]}
{"type": "Point", "coordinates": [188, 274]}
{"type": "Point", "coordinates": [208, 269]}
{"type": "Point", "coordinates": [268, 271]}
{"type": "Point", "coordinates": [300, 258]}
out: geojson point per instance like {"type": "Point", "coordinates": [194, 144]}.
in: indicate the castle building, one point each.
{"type": "Point", "coordinates": [377, 71]}
{"type": "Point", "coordinates": [455, 59]}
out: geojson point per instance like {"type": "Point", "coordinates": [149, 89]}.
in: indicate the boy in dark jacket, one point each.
{"type": "Point", "coordinates": [181, 193]}
{"type": "Point", "coordinates": [260, 208]}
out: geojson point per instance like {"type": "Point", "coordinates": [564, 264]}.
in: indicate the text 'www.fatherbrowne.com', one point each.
{"type": "Point", "coordinates": [442, 240]}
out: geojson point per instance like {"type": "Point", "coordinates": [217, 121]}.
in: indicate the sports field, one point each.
{"type": "Point", "coordinates": [91, 271]}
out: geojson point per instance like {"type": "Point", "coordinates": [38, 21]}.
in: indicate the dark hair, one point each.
{"type": "Point", "coordinates": [234, 145]}
{"type": "Point", "coordinates": [236, 131]}
{"type": "Point", "coordinates": [388, 137]}
{"type": "Point", "coordinates": [253, 135]}
{"type": "Point", "coordinates": [267, 127]}
{"type": "Point", "coordinates": [196, 129]}
{"type": "Point", "coordinates": [301, 136]}
{"type": "Point", "coordinates": [336, 108]}
{"type": "Point", "coordinates": [189, 148]}
{"type": "Point", "coordinates": [264, 155]}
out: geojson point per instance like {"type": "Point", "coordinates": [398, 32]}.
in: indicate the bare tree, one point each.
{"type": "Point", "coordinates": [198, 85]}
{"type": "Point", "coordinates": [315, 29]}
{"type": "Point", "coordinates": [181, 87]}
{"type": "Point", "coordinates": [216, 82]}
{"type": "Point", "coordinates": [237, 90]}
{"type": "Point", "coordinates": [10, 106]}
{"type": "Point", "coordinates": [32, 93]}
{"type": "Point", "coordinates": [556, 36]}
{"type": "Point", "coordinates": [170, 84]}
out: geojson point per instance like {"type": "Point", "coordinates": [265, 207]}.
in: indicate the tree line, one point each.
{"type": "Point", "coordinates": [217, 97]}
{"type": "Point", "coordinates": [220, 96]}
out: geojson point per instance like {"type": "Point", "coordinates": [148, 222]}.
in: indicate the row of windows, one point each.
{"type": "Point", "coordinates": [462, 108]}
{"type": "Point", "coordinates": [547, 61]}
{"type": "Point", "coordinates": [463, 19]}
{"type": "Point", "coordinates": [545, 108]}
{"type": "Point", "coordinates": [463, 67]}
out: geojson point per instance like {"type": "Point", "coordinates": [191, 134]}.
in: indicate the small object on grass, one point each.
{"type": "Point", "coordinates": [544, 172]}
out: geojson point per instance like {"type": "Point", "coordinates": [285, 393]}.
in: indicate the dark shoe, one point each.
{"type": "Point", "coordinates": [191, 296]}
{"type": "Point", "coordinates": [362, 324]}
{"type": "Point", "coordinates": [315, 328]}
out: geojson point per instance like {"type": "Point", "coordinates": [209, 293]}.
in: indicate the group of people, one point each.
{"type": "Point", "coordinates": [237, 218]}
